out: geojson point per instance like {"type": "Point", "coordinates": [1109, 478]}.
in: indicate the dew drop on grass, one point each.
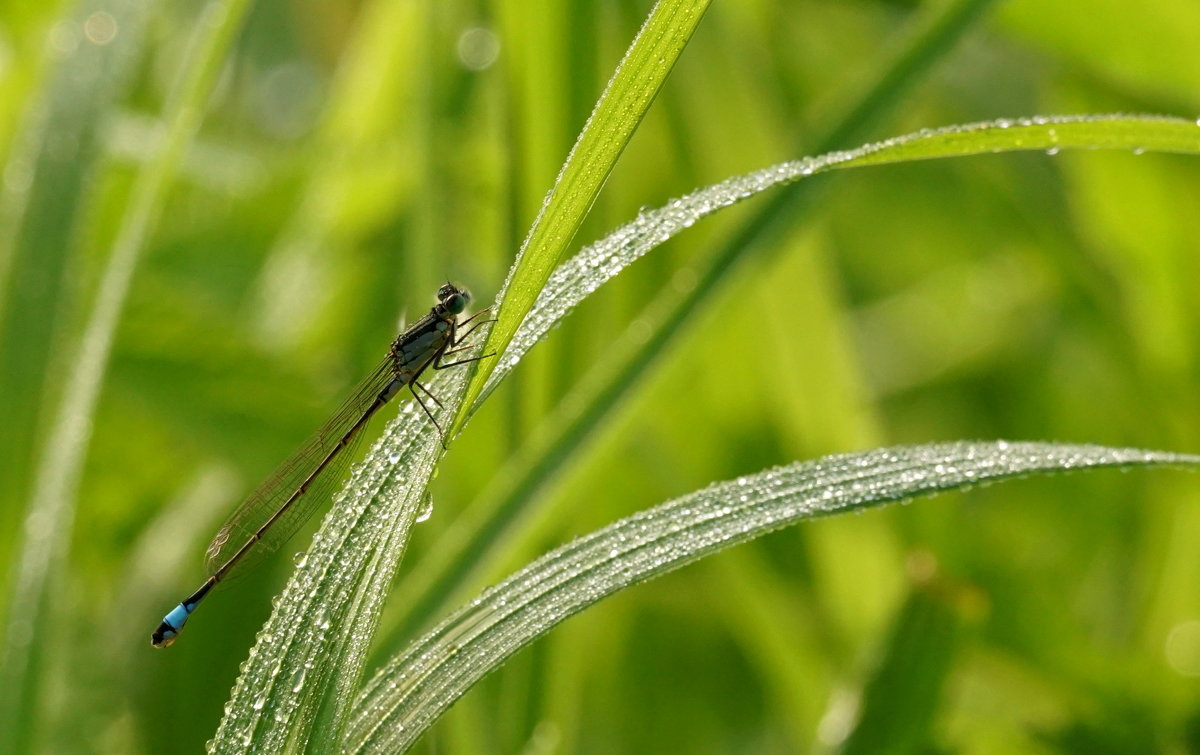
{"type": "Point", "coordinates": [426, 509]}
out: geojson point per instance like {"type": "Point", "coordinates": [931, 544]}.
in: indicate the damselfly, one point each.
{"type": "Point", "coordinates": [279, 506]}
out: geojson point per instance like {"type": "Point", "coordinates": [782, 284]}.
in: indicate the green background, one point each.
{"type": "Point", "coordinates": [356, 155]}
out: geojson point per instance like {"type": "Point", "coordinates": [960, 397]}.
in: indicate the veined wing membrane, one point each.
{"type": "Point", "coordinates": [266, 501]}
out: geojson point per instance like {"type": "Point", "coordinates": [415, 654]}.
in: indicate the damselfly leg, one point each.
{"type": "Point", "coordinates": [437, 364]}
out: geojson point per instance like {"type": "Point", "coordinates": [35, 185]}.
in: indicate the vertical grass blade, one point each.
{"type": "Point", "coordinates": [618, 112]}
{"type": "Point", "coordinates": [897, 703]}
{"type": "Point", "coordinates": [54, 156]}
{"type": "Point", "coordinates": [52, 504]}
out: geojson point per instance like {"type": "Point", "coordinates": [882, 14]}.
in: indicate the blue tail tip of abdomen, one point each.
{"type": "Point", "coordinates": [170, 627]}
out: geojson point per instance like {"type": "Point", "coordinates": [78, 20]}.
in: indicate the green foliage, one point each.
{"type": "Point", "coordinates": [352, 157]}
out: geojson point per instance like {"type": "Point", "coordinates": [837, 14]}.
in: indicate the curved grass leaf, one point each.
{"type": "Point", "coordinates": [405, 697]}
{"type": "Point", "coordinates": [575, 279]}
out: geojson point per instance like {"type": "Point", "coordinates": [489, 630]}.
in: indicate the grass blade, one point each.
{"type": "Point", "coordinates": [599, 263]}
{"type": "Point", "coordinates": [404, 699]}
{"type": "Point", "coordinates": [917, 657]}
{"type": "Point", "coordinates": [297, 683]}
{"type": "Point", "coordinates": [618, 112]}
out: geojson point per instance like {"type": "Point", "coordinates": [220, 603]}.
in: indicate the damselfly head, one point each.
{"type": "Point", "coordinates": [453, 300]}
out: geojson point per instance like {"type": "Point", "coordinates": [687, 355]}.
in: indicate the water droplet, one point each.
{"type": "Point", "coordinates": [426, 509]}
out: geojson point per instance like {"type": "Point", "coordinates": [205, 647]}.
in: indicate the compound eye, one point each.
{"type": "Point", "coordinates": [445, 291]}
{"type": "Point", "coordinates": [455, 303]}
